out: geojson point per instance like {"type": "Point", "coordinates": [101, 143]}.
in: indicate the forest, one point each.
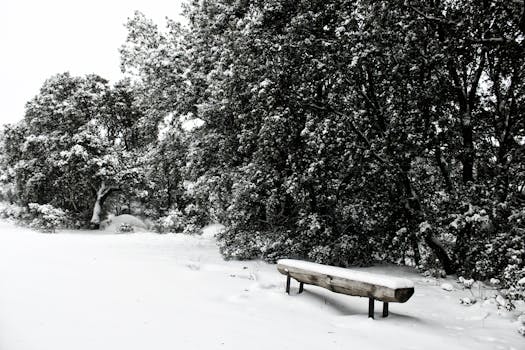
{"type": "Point", "coordinates": [340, 132]}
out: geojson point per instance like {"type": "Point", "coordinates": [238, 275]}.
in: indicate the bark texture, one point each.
{"type": "Point", "coordinates": [102, 194]}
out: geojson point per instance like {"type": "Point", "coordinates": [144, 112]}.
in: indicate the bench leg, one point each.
{"type": "Point", "coordinates": [301, 287]}
{"type": "Point", "coordinates": [371, 307]}
{"type": "Point", "coordinates": [288, 284]}
{"type": "Point", "coordinates": [385, 309]}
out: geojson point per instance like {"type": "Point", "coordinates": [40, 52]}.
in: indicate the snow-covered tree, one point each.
{"type": "Point", "coordinates": [338, 130]}
{"type": "Point", "coordinates": [72, 145]}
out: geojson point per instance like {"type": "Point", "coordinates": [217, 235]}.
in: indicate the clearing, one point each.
{"type": "Point", "coordinates": [93, 290]}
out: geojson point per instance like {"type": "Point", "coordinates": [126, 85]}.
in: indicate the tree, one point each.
{"type": "Point", "coordinates": [159, 63]}
{"type": "Point", "coordinates": [74, 140]}
{"type": "Point", "coordinates": [337, 128]}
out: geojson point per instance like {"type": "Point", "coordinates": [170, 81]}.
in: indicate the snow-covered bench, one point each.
{"type": "Point", "coordinates": [340, 280]}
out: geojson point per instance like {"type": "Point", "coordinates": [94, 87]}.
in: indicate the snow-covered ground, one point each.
{"type": "Point", "coordinates": [95, 290]}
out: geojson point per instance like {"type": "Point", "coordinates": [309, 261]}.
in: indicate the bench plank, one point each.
{"type": "Point", "coordinates": [346, 281]}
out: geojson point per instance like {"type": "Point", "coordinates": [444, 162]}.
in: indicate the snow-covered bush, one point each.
{"type": "Point", "coordinates": [173, 222]}
{"type": "Point", "coordinates": [7, 189]}
{"type": "Point", "coordinates": [467, 283]}
{"type": "Point", "coordinates": [47, 218]}
{"type": "Point", "coordinates": [516, 288]}
{"type": "Point", "coordinates": [241, 244]}
{"type": "Point", "coordinates": [195, 215]}
{"type": "Point", "coordinates": [192, 229]}
{"type": "Point", "coordinates": [503, 258]}
{"type": "Point", "coordinates": [114, 223]}
{"type": "Point", "coordinates": [189, 221]}
{"type": "Point", "coordinates": [11, 211]}
{"type": "Point", "coordinates": [312, 239]}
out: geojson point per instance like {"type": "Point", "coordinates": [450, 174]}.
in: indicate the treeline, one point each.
{"type": "Point", "coordinates": [343, 132]}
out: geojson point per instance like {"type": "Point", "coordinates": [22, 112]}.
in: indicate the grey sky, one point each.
{"type": "Point", "coordinates": [42, 38]}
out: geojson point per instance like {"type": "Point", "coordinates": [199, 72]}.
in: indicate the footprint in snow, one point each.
{"type": "Point", "coordinates": [250, 276]}
{"type": "Point", "coordinates": [193, 266]}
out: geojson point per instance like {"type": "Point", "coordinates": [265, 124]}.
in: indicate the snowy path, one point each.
{"type": "Point", "coordinates": [82, 290]}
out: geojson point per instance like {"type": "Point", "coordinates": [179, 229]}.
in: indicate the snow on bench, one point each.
{"type": "Point", "coordinates": [345, 281]}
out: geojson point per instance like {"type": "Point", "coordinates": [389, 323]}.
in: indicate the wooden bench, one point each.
{"type": "Point", "coordinates": [340, 280]}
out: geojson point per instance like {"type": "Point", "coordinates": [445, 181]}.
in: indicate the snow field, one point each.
{"type": "Point", "coordinates": [92, 290]}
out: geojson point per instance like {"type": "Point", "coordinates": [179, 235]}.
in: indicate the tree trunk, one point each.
{"type": "Point", "coordinates": [504, 134]}
{"type": "Point", "coordinates": [466, 93]}
{"type": "Point", "coordinates": [467, 159]}
{"type": "Point", "coordinates": [415, 213]}
{"type": "Point", "coordinates": [443, 167]}
{"type": "Point", "coordinates": [441, 254]}
{"type": "Point", "coordinates": [102, 194]}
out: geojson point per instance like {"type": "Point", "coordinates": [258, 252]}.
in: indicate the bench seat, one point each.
{"type": "Point", "coordinates": [346, 281]}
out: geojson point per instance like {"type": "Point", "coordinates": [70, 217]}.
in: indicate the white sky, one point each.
{"type": "Point", "coordinates": [41, 38]}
